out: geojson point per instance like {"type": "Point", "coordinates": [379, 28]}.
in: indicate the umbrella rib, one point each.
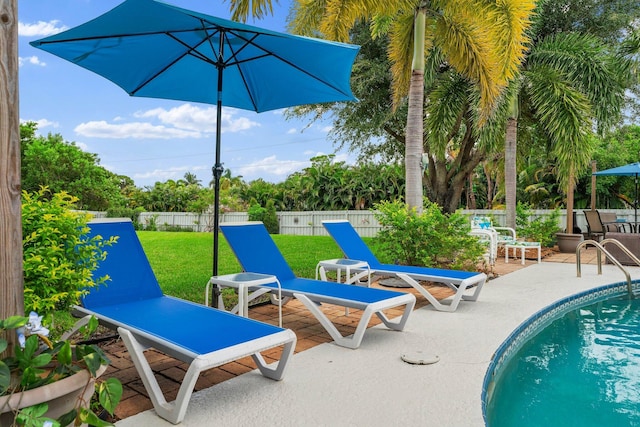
{"type": "Point", "coordinates": [237, 65]}
{"type": "Point", "coordinates": [189, 51]}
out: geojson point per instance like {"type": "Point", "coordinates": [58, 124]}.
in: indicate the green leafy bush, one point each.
{"type": "Point", "coordinates": [58, 256]}
{"type": "Point", "coordinates": [541, 229]}
{"type": "Point", "coordinates": [431, 238]}
{"type": "Point", "coordinates": [122, 212]}
{"type": "Point", "coordinates": [270, 218]}
{"type": "Point", "coordinates": [256, 212]}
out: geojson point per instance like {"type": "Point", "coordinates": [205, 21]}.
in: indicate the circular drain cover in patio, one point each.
{"type": "Point", "coordinates": [419, 358]}
{"type": "Point", "coordinates": [393, 282]}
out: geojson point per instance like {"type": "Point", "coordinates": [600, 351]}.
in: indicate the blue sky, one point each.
{"type": "Point", "coordinates": [147, 139]}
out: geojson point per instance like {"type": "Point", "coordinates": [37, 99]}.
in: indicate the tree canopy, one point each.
{"type": "Point", "coordinates": [63, 166]}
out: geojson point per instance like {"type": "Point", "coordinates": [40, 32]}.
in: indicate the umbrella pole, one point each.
{"type": "Point", "coordinates": [217, 172]}
{"type": "Point", "coordinates": [635, 203]}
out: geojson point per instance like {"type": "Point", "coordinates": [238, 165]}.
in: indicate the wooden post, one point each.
{"type": "Point", "coordinates": [593, 185]}
{"type": "Point", "coordinates": [11, 281]}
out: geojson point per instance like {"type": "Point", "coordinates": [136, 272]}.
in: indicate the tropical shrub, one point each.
{"type": "Point", "coordinates": [58, 256]}
{"type": "Point", "coordinates": [123, 212]}
{"type": "Point", "coordinates": [256, 212]}
{"type": "Point", "coordinates": [541, 229]}
{"type": "Point", "coordinates": [270, 218]}
{"type": "Point", "coordinates": [431, 238]}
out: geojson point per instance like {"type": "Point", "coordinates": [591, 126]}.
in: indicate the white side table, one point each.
{"type": "Point", "coordinates": [523, 246]}
{"type": "Point", "coordinates": [337, 265]}
{"type": "Point", "coordinates": [244, 282]}
{"type": "Point", "coordinates": [348, 265]}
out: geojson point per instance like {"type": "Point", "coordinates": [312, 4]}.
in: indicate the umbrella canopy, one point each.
{"type": "Point", "coordinates": [632, 169]}
{"type": "Point", "coordinates": [153, 49]}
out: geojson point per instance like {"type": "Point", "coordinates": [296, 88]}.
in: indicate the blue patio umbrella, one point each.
{"type": "Point", "coordinates": [632, 169]}
{"type": "Point", "coordinates": [153, 49]}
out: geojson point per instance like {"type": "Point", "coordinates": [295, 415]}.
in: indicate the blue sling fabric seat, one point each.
{"type": "Point", "coordinates": [257, 253]}
{"type": "Point", "coordinates": [355, 248]}
{"type": "Point", "coordinates": [133, 303]}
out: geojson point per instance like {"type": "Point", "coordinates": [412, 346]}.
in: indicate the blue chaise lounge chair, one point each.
{"type": "Point", "coordinates": [257, 253]}
{"type": "Point", "coordinates": [133, 303]}
{"type": "Point", "coordinates": [355, 248]}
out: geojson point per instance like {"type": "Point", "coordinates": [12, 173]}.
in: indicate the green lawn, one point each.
{"type": "Point", "coordinates": [183, 262]}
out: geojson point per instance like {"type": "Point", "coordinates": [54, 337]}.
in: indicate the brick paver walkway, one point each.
{"type": "Point", "coordinates": [310, 333]}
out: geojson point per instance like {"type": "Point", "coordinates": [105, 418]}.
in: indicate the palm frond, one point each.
{"type": "Point", "coordinates": [447, 104]}
{"type": "Point", "coordinates": [340, 15]}
{"type": "Point", "coordinates": [564, 113]}
{"type": "Point", "coordinates": [591, 66]}
{"type": "Point", "coordinates": [242, 9]}
{"type": "Point", "coordinates": [511, 20]}
{"type": "Point", "coordinates": [305, 17]}
{"type": "Point", "coordinates": [401, 53]}
{"type": "Point", "coordinates": [468, 49]}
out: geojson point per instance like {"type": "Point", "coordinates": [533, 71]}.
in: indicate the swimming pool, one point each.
{"type": "Point", "coordinates": [574, 363]}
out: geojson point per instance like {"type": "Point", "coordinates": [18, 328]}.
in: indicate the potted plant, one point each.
{"type": "Point", "coordinates": [43, 382]}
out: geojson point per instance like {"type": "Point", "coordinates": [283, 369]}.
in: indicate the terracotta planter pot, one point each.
{"type": "Point", "coordinates": [61, 396]}
{"type": "Point", "coordinates": [568, 242]}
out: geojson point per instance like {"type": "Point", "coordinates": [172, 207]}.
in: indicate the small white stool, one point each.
{"type": "Point", "coordinates": [361, 268]}
{"type": "Point", "coordinates": [523, 246]}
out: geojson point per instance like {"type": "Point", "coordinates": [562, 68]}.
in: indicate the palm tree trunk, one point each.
{"type": "Point", "coordinates": [510, 145]}
{"type": "Point", "coordinates": [414, 140]}
{"type": "Point", "coordinates": [570, 191]}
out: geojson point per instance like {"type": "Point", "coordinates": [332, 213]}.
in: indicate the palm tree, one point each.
{"type": "Point", "coordinates": [568, 83]}
{"type": "Point", "coordinates": [191, 178]}
{"type": "Point", "coordinates": [483, 40]}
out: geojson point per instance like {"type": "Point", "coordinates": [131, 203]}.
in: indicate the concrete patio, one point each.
{"type": "Point", "coordinates": [330, 385]}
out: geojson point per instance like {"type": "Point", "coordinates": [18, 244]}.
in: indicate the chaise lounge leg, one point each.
{"type": "Point", "coordinates": [276, 373]}
{"type": "Point", "coordinates": [175, 412]}
{"type": "Point", "coordinates": [355, 340]}
{"type": "Point", "coordinates": [453, 304]}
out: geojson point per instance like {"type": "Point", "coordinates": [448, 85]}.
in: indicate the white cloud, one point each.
{"type": "Point", "coordinates": [83, 146]}
{"type": "Point", "coordinates": [191, 117]}
{"type": "Point", "coordinates": [273, 166]}
{"type": "Point", "coordinates": [42, 123]}
{"type": "Point", "coordinates": [165, 174]}
{"type": "Point", "coordinates": [185, 121]}
{"type": "Point", "coordinates": [102, 129]}
{"type": "Point", "coordinates": [344, 157]}
{"type": "Point", "coordinates": [32, 60]}
{"type": "Point", "coordinates": [40, 28]}
{"type": "Point", "coordinates": [292, 131]}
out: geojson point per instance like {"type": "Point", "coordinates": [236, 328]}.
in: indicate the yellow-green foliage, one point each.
{"type": "Point", "coordinates": [59, 257]}
{"type": "Point", "coordinates": [431, 238]}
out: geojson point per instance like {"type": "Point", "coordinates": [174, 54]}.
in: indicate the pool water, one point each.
{"type": "Point", "coordinates": [581, 370]}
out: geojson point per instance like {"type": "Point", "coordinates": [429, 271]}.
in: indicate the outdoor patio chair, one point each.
{"type": "Point", "coordinates": [355, 248]}
{"type": "Point", "coordinates": [257, 253]}
{"type": "Point", "coordinates": [489, 239]}
{"type": "Point", "coordinates": [503, 235]}
{"type": "Point", "coordinates": [599, 223]}
{"type": "Point", "coordinates": [610, 222]}
{"type": "Point", "coordinates": [203, 337]}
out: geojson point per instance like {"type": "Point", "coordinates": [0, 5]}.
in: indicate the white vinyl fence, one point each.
{"type": "Point", "coordinates": [310, 223]}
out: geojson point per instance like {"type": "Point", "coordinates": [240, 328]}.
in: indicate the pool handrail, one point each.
{"type": "Point", "coordinates": [600, 250]}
